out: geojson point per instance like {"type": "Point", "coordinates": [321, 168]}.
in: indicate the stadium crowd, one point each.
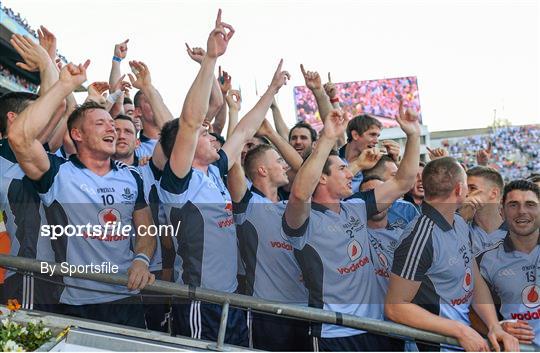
{"type": "Point", "coordinates": [514, 151]}
{"type": "Point", "coordinates": [375, 97]}
{"type": "Point", "coordinates": [326, 220]}
{"type": "Point", "coordinates": [18, 80]}
{"type": "Point", "coordinates": [17, 17]}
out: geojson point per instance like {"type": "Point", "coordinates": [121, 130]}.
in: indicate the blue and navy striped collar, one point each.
{"type": "Point", "coordinates": [77, 162]}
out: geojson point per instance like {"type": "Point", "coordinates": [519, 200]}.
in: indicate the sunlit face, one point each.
{"type": "Point", "coordinates": [276, 167]}
{"type": "Point", "coordinates": [126, 141]}
{"type": "Point", "coordinates": [301, 141]}
{"type": "Point", "coordinates": [96, 133]}
{"type": "Point", "coordinates": [206, 151]}
{"type": "Point", "coordinates": [369, 138]}
{"type": "Point", "coordinates": [370, 185]}
{"type": "Point", "coordinates": [483, 189]}
{"type": "Point", "coordinates": [521, 212]}
{"type": "Point", "coordinates": [339, 182]}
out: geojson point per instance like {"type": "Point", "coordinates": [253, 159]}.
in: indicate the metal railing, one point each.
{"type": "Point", "coordinates": [247, 302]}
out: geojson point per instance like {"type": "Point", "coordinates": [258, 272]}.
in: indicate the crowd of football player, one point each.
{"type": "Point", "coordinates": [328, 220]}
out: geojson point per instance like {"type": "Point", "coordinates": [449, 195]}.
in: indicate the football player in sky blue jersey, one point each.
{"type": "Point", "coordinates": [17, 197]}
{"type": "Point", "coordinates": [487, 227]}
{"type": "Point", "coordinates": [330, 235]}
{"type": "Point", "coordinates": [60, 184]}
{"type": "Point", "coordinates": [511, 267]}
{"type": "Point", "coordinates": [197, 201]}
{"type": "Point", "coordinates": [272, 272]}
{"type": "Point", "coordinates": [434, 276]}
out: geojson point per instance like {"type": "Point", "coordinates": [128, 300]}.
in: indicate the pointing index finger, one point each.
{"type": "Point", "coordinates": [329, 78]}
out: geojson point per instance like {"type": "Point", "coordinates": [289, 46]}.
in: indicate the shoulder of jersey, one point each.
{"type": "Point", "coordinates": [122, 165]}
{"type": "Point", "coordinates": [490, 248]}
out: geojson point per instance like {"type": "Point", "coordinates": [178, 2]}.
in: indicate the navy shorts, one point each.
{"type": "Point", "coordinates": [277, 334]}
{"type": "Point", "coordinates": [201, 321]}
{"type": "Point", "coordinates": [366, 342]}
{"type": "Point", "coordinates": [128, 311]}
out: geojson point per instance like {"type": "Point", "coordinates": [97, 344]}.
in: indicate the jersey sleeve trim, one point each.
{"type": "Point", "coordinates": [46, 181]}
{"type": "Point", "coordinates": [173, 184]}
{"type": "Point", "coordinates": [369, 199]}
{"type": "Point", "coordinates": [291, 232]}
{"type": "Point", "coordinates": [241, 207]}
{"type": "Point", "coordinates": [141, 202]}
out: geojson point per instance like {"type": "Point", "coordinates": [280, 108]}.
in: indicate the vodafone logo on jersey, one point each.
{"type": "Point", "coordinates": [467, 279]}
{"type": "Point", "coordinates": [383, 260]}
{"type": "Point", "coordinates": [354, 250]}
{"type": "Point", "coordinates": [108, 215]}
{"type": "Point", "coordinates": [531, 296]}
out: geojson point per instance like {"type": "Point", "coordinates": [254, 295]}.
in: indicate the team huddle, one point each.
{"type": "Point", "coordinates": [287, 215]}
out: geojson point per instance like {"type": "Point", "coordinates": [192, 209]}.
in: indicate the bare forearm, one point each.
{"type": "Point", "coordinates": [221, 119]}
{"type": "Point", "coordinates": [162, 114]}
{"type": "Point", "coordinates": [323, 102]}
{"type": "Point", "coordinates": [308, 176]}
{"type": "Point", "coordinates": [115, 73]}
{"type": "Point", "coordinates": [279, 123]}
{"type": "Point", "coordinates": [250, 123]}
{"type": "Point", "coordinates": [216, 101]}
{"type": "Point", "coordinates": [35, 118]}
{"type": "Point", "coordinates": [417, 317]}
{"type": "Point", "coordinates": [406, 174]}
{"type": "Point", "coordinates": [196, 102]}
{"type": "Point", "coordinates": [48, 77]}
{"type": "Point", "coordinates": [293, 159]}
{"type": "Point", "coordinates": [233, 121]}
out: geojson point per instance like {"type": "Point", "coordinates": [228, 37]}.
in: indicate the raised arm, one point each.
{"type": "Point", "coordinates": [313, 82]}
{"type": "Point", "coordinates": [143, 81]}
{"type": "Point", "coordinates": [279, 123]}
{"type": "Point", "coordinates": [391, 190]}
{"type": "Point", "coordinates": [120, 53]}
{"type": "Point", "coordinates": [234, 102]}
{"type": "Point", "coordinates": [215, 102]}
{"type": "Point", "coordinates": [308, 176]}
{"type": "Point", "coordinates": [196, 102]}
{"type": "Point", "coordinates": [23, 133]}
{"type": "Point", "coordinates": [248, 126]}
{"type": "Point", "coordinates": [224, 81]}
{"type": "Point", "coordinates": [36, 58]}
{"type": "Point", "coordinates": [289, 154]}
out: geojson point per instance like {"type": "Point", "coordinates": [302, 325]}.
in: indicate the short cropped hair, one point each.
{"type": "Point", "coordinates": [370, 178]}
{"type": "Point", "coordinates": [304, 125]}
{"type": "Point", "coordinates": [253, 156]}
{"type": "Point", "coordinates": [79, 113]}
{"type": "Point", "coordinates": [14, 102]}
{"type": "Point", "coordinates": [361, 124]}
{"type": "Point", "coordinates": [520, 184]}
{"type": "Point", "coordinates": [379, 167]}
{"type": "Point", "coordinates": [441, 176]}
{"type": "Point", "coordinates": [127, 100]}
{"type": "Point", "coordinates": [137, 99]}
{"type": "Point", "coordinates": [168, 136]}
{"type": "Point", "coordinates": [125, 117]}
{"type": "Point", "coordinates": [489, 174]}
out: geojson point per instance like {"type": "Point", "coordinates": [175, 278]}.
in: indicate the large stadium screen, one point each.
{"type": "Point", "coordinates": [379, 98]}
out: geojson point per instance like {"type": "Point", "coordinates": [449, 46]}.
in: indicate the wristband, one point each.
{"type": "Point", "coordinates": [334, 100]}
{"type": "Point", "coordinates": [114, 96]}
{"type": "Point", "coordinates": [117, 59]}
{"type": "Point", "coordinates": [143, 258]}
